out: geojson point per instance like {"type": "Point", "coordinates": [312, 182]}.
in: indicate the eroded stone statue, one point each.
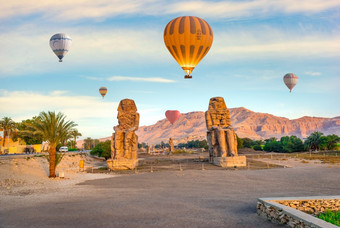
{"type": "Point", "coordinates": [171, 144]}
{"type": "Point", "coordinates": [221, 137]}
{"type": "Point", "coordinates": [124, 142]}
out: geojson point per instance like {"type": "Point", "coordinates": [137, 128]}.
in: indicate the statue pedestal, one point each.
{"type": "Point", "coordinates": [237, 161]}
{"type": "Point", "coordinates": [122, 164]}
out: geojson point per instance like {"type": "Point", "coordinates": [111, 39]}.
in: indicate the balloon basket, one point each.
{"type": "Point", "coordinates": [60, 60]}
{"type": "Point", "coordinates": [187, 76]}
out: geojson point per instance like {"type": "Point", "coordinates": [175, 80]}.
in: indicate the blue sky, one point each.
{"type": "Point", "coordinates": [119, 44]}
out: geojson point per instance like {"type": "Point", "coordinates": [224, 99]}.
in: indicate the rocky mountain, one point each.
{"type": "Point", "coordinates": [254, 125]}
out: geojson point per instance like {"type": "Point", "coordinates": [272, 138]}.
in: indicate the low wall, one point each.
{"type": "Point", "coordinates": [291, 211]}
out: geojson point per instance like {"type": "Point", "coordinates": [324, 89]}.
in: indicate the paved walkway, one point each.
{"type": "Point", "coordinates": [210, 198]}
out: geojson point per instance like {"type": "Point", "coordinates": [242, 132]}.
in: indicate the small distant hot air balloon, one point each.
{"type": "Point", "coordinates": [290, 80]}
{"type": "Point", "coordinates": [188, 40]}
{"type": "Point", "coordinates": [172, 115]}
{"type": "Point", "coordinates": [60, 44]}
{"type": "Point", "coordinates": [103, 91]}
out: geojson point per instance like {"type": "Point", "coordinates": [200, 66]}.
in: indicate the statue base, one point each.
{"type": "Point", "coordinates": [122, 164]}
{"type": "Point", "coordinates": [237, 161]}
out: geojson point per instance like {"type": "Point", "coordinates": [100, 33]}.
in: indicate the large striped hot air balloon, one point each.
{"type": "Point", "coordinates": [188, 39]}
{"type": "Point", "coordinates": [103, 91]}
{"type": "Point", "coordinates": [172, 115]}
{"type": "Point", "coordinates": [60, 44]}
{"type": "Point", "coordinates": [290, 80]}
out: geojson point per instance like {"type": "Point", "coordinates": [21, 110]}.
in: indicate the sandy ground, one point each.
{"type": "Point", "coordinates": [25, 175]}
{"type": "Point", "coordinates": [191, 198]}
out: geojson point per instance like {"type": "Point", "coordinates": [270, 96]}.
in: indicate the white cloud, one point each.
{"type": "Point", "coordinates": [29, 52]}
{"type": "Point", "coordinates": [238, 9]}
{"type": "Point", "coordinates": [313, 74]}
{"type": "Point", "coordinates": [26, 53]}
{"type": "Point", "coordinates": [95, 117]}
{"type": "Point", "coordinates": [133, 79]}
{"type": "Point", "coordinates": [92, 114]}
{"type": "Point", "coordinates": [139, 79]}
{"type": "Point", "coordinates": [271, 42]}
{"type": "Point", "coordinates": [64, 10]}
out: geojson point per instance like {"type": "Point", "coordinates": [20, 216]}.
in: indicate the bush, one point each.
{"type": "Point", "coordinates": [257, 147]}
{"type": "Point", "coordinates": [102, 149]}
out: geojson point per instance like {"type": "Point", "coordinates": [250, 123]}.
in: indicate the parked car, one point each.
{"type": "Point", "coordinates": [63, 149]}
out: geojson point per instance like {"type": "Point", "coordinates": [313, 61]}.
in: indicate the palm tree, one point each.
{"type": "Point", "coordinates": [314, 141]}
{"type": "Point", "coordinates": [54, 129]}
{"type": "Point", "coordinates": [74, 133]}
{"type": "Point", "coordinates": [87, 143]}
{"type": "Point", "coordinates": [8, 126]}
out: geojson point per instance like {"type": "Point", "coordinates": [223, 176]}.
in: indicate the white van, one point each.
{"type": "Point", "coordinates": [63, 149]}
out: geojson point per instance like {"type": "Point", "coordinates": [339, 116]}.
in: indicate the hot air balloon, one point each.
{"type": "Point", "coordinates": [290, 80]}
{"type": "Point", "coordinates": [188, 40]}
{"type": "Point", "coordinates": [172, 115]}
{"type": "Point", "coordinates": [103, 91]}
{"type": "Point", "coordinates": [60, 44]}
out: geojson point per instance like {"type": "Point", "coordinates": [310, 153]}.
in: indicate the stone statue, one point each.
{"type": "Point", "coordinates": [221, 137]}
{"type": "Point", "coordinates": [171, 144]}
{"type": "Point", "coordinates": [124, 142]}
{"type": "Point", "coordinates": [148, 148]}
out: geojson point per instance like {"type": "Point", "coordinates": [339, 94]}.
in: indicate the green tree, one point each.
{"type": "Point", "coordinates": [247, 142]}
{"type": "Point", "coordinates": [257, 147]}
{"type": "Point", "coordinates": [332, 141]}
{"type": "Point", "coordinates": [74, 133]}
{"type": "Point", "coordinates": [291, 144]}
{"type": "Point", "coordinates": [54, 129]}
{"type": "Point", "coordinates": [239, 143]}
{"type": "Point", "coordinates": [102, 149]}
{"type": "Point", "coordinates": [28, 136]}
{"type": "Point", "coordinates": [272, 145]}
{"type": "Point", "coordinates": [88, 142]}
{"type": "Point", "coordinates": [314, 141]}
{"type": "Point", "coordinates": [8, 126]}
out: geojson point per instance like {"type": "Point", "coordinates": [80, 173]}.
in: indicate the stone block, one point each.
{"type": "Point", "coordinates": [238, 161]}
{"type": "Point", "coordinates": [122, 164]}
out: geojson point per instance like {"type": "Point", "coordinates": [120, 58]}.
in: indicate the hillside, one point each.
{"type": "Point", "coordinates": [254, 125]}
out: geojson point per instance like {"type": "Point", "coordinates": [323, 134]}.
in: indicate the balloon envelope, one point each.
{"type": "Point", "coordinates": [188, 40]}
{"type": "Point", "coordinates": [172, 115]}
{"type": "Point", "coordinates": [60, 44]}
{"type": "Point", "coordinates": [103, 91]}
{"type": "Point", "coordinates": [290, 80]}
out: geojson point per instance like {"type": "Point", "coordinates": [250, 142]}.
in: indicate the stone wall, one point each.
{"type": "Point", "coordinates": [294, 212]}
{"type": "Point", "coordinates": [278, 216]}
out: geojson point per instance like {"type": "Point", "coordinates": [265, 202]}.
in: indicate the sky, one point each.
{"type": "Point", "coordinates": [119, 44]}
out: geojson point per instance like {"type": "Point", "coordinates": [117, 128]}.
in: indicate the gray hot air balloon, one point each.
{"type": "Point", "coordinates": [60, 44]}
{"type": "Point", "coordinates": [290, 80]}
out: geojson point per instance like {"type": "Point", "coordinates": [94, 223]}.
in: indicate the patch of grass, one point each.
{"type": "Point", "coordinates": [304, 161]}
{"type": "Point", "coordinates": [102, 168]}
{"type": "Point", "coordinates": [331, 217]}
{"type": "Point", "coordinates": [179, 152]}
{"type": "Point", "coordinates": [28, 158]}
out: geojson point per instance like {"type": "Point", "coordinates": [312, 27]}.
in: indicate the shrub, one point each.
{"type": "Point", "coordinates": [102, 149]}
{"type": "Point", "coordinates": [257, 147]}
